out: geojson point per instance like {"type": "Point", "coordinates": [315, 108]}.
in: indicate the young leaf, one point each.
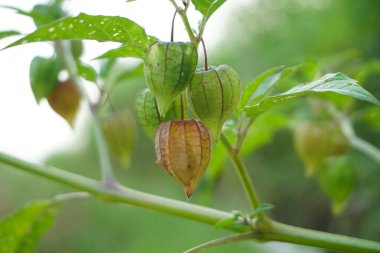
{"type": "Point", "coordinates": [43, 76]}
{"type": "Point", "coordinates": [87, 71]}
{"type": "Point", "coordinates": [5, 34]}
{"type": "Point", "coordinates": [207, 7]}
{"type": "Point", "coordinates": [224, 222]}
{"type": "Point", "coordinates": [335, 83]}
{"type": "Point", "coordinates": [228, 220]}
{"type": "Point", "coordinates": [20, 231]}
{"type": "Point", "coordinates": [127, 50]}
{"type": "Point", "coordinates": [261, 208]}
{"type": "Point", "coordinates": [87, 27]}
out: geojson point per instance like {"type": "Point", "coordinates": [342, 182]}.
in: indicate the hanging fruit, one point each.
{"type": "Point", "coordinates": [65, 100]}
{"type": "Point", "coordinates": [120, 133]}
{"type": "Point", "coordinates": [214, 94]}
{"type": "Point", "coordinates": [169, 67]}
{"type": "Point", "coordinates": [183, 148]}
{"type": "Point", "coordinates": [314, 141]}
{"type": "Point", "coordinates": [147, 111]}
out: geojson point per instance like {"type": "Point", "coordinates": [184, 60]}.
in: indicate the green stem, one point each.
{"type": "Point", "coordinates": [243, 173]}
{"type": "Point", "coordinates": [104, 156]}
{"type": "Point", "coordinates": [185, 21]}
{"type": "Point", "coordinates": [70, 196]}
{"type": "Point", "coordinates": [357, 142]}
{"type": "Point", "coordinates": [221, 241]}
{"type": "Point", "coordinates": [285, 233]}
{"type": "Point", "coordinates": [273, 232]}
{"type": "Point", "coordinates": [119, 194]}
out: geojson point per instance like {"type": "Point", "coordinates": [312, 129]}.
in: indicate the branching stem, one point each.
{"type": "Point", "coordinates": [274, 231]}
{"type": "Point", "coordinates": [221, 241]}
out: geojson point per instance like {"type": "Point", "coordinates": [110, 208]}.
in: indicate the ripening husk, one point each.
{"type": "Point", "coordinates": [183, 148]}
{"type": "Point", "coordinates": [214, 95]}
{"type": "Point", "coordinates": [169, 67]}
{"type": "Point", "coordinates": [65, 100]}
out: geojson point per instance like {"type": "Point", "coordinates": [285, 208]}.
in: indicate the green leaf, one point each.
{"type": "Point", "coordinates": [87, 27]}
{"type": "Point", "coordinates": [44, 76]}
{"type": "Point", "coordinates": [265, 82]}
{"type": "Point", "coordinates": [330, 83]}
{"type": "Point", "coordinates": [127, 50]}
{"type": "Point", "coordinates": [337, 180]}
{"type": "Point", "coordinates": [20, 231]}
{"type": "Point", "coordinates": [5, 34]}
{"type": "Point", "coordinates": [261, 85]}
{"type": "Point", "coordinates": [261, 208]}
{"type": "Point", "coordinates": [87, 71]}
{"type": "Point", "coordinates": [207, 7]}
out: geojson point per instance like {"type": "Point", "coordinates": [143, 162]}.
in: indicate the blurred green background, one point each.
{"type": "Point", "coordinates": [339, 35]}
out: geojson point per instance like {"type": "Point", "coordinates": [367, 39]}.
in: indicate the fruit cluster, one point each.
{"type": "Point", "coordinates": [183, 146]}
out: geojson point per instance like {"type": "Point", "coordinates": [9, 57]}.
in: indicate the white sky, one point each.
{"type": "Point", "coordinates": [31, 131]}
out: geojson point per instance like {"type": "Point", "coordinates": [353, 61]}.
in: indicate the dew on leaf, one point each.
{"type": "Point", "coordinates": [51, 29]}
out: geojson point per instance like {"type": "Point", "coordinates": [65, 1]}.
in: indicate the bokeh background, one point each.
{"type": "Point", "coordinates": [251, 36]}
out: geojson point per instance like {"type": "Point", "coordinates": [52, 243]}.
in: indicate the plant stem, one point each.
{"type": "Point", "coordinates": [273, 232]}
{"type": "Point", "coordinates": [243, 173]}
{"type": "Point", "coordinates": [205, 55]}
{"type": "Point", "coordinates": [221, 241]}
{"type": "Point", "coordinates": [119, 194]}
{"type": "Point", "coordinates": [70, 196]}
{"type": "Point", "coordinates": [104, 157]}
{"type": "Point", "coordinates": [185, 21]}
{"type": "Point", "coordinates": [357, 142]}
{"type": "Point", "coordinates": [285, 233]}
{"type": "Point", "coordinates": [172, 32]}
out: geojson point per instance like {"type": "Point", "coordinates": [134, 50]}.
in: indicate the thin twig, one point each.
{"type": "Point", "coordinates": [172, 32]}
{"type": "Point", "coordinates": [357, 142]}
{"type": "Point", "coordinates": [205, 54]}
{"type": "Point", "coordinates": [221, 241]}
{"type": "Point", "coordinates": [185, 20]}
{"type": "Point", "coordinates": [70, 196]}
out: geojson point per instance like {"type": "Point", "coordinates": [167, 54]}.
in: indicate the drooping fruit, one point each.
{"type": "Point", "coordinates": [214, 95]}
{"type": "Point", "coordinates": [120, 133]}
{"type": "Point", "coordinates": [169, 67]}
{"type": "Point", "coordinates": [147, 111]}
{"type": "Point", "coordinates": [65, 100]}
{"type": "Point", "coordinates": [183, 148]}
{"type": "Point", "coordinates": [314, 141]}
